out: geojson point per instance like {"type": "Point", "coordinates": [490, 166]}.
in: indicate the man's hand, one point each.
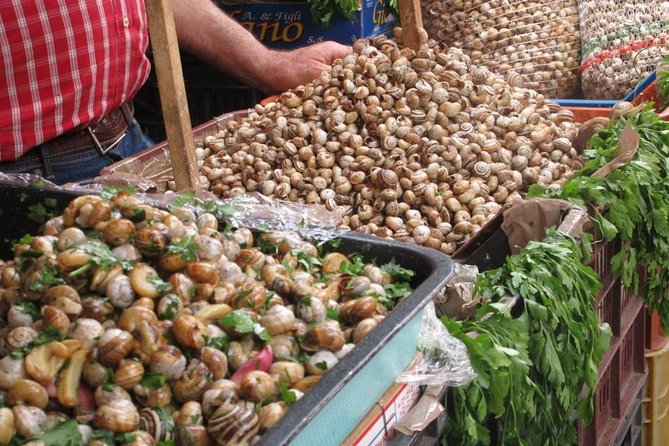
{"type": "Point", "coordinates": [208, 33]}
{"type": "Point", "coordinates": [288, 69]}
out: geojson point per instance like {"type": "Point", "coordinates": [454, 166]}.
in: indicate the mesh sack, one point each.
{"type": "Point", "coordinates": [535, 44]}
{"type": "Point", "coordinates": [622, 42]}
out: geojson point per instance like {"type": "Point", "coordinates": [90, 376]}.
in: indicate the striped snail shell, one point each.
{"type": "Point", "coordinates": [158, 423]}
{"type": "Point", "coordinates": [481, 169]}
{"type": "Point", "coordinates": [233, 424]}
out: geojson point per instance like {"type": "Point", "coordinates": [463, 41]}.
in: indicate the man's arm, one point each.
{"type": "Point", "coordinates": [208, 33]}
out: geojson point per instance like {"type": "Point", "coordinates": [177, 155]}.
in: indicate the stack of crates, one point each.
{"type": "Point", "coordinates": [622, 372]}
{"type": "Point", "coordinates": [656, 399]}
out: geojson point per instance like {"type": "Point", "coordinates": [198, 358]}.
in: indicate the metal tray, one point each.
{"type": "Point", "coordinates": [333, 407]}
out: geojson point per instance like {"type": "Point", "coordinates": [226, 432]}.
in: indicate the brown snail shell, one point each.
{"type": "Point", "coordinates": [278, 320]}
{"type": "Point", "coordinates": [128, 374]}
{"type": "Point", "coordinates": [356, 310]}
{"type": "Point", "coordinates": [258, 386]}
{"type": "Point", "coordinates": [151, 241]}
{"type": "Point", "coordinates": [363, 328]}
{"type": "Point", "coordinates": [114, 345]}
{"type": "Point", "coordinates": [153, 397]}
{"type": "Point", "coordinates": [287, 371]}
{"type": "Point", "coordinates": [169, 361]}
{"type": "Point", "coordinates": [189, 331]}
{"type": "Point", "coordinates": [194, 382]}
{"type": "Point", "coordinates": [325, 336]}
{"type": "Point", "coordinates": [270, 414]}
{"type": "Point", "coordinates": [117, 416]}
{"type": "Point", "coordinates": [216, 361]}
{"type": "Point", "coordinates": [118, 232]}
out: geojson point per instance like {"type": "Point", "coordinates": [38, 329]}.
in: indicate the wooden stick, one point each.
{"type": "Point", "coordinates": [172, 93]}
{"type": "Point", "coordinates": [411, 20]}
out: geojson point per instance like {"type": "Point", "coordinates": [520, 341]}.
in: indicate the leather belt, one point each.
{"type": "Point", "coordinates": [105, 135]}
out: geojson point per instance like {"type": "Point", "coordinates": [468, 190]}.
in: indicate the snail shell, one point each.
{"type": "Point", "coordinates": [363, 328]}
{"type": "Point", "coordinates": [117, 416]}
{"type": "Point", "coordinates": [29, 421]}
{"type": "Point", "coordinates": [287, 371]}
{"type": "Point", "coordinates": [153, 397]}
{"type": "Point", "coordinates": [194, 382]}
{"type": "Point", "coordinates": [189, 331]}
{"type": "Point", "coordinates": [128, 374]}
{"type": "Point", "coordinates": [114, 345]}
{"type": "Point", "coordinates": [20, 337]}
{"type": "Point", "coordinates": [159, 424]}
{"type": "Point", "coordinates": [233, 424]}
{"type": "Point", "coordinates": [278, 320]}
{"type": "Point", "coordinates": [258, 386]}
{"type": "Point", "coordinates": [325, 336]}
{"type": "Point", "coordinates": [481, 169]}
{"type": "Point", "coordinates": [270, 414]}
{"type": "Point", "coordinates": [356, 310]}
{"type": "Point", "coordinates": [216, 361]}
{"type": "Point", "coordinates": [320, 362]}
{"type": "Point", "coordinates": [118, 232]}
{"type": "Point", "coordinates": [151, 241]}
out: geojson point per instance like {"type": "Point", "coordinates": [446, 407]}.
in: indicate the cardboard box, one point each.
{"type": "Point", "coordinates": [378, 427]}
{"type": "Point", "coordinates": [289, 24]}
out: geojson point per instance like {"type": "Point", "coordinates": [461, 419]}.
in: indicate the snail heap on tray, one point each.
{"type": "Point", "coordinates": [129, 325]}
{"type": "Point", "coordinates": [420, 146]}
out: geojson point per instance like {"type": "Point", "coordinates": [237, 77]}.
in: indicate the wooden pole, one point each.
{"type": "Point", "coordinates": [172, 93]}
{"type": "Point", "coordinates": [411, 20]}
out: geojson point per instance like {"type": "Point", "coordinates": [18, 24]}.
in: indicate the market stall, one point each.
{"type": "Point", "coordinates": [422, 245]}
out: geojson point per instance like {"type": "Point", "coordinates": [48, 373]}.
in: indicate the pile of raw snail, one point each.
{"type": "Point", "coordinates": [129, 325]}
{"type": "Point", "coordinates": [420, 146]}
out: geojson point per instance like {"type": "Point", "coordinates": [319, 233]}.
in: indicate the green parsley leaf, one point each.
{"type": "Point", "coordinates": [186, 247]}
{"type": "Point", "coordinates": [29, 308]}
{"type": "Point", "coordinates": [242, 322]}
{"type": "Point", "coordinates": [48, 277]}
{"type": "Point", "coordinates": [287, 396]}
{"type": "Point", "coordinates": [323, 365]}
{"type": "Point", "coordinates": [159, 284]}
{"type": "Point", "coordinates": [219, 343]}
{"type": "Point", "coordinates": [355, 267]}
{"type": "Point", "coordinates": [154, 380]}
{"type": "Point", "coordinates": [396, 272]}
{"type": "Point", "coordinates": [45, 336]}
{"type": "Point", "coordinates": [25, 240]}
{"type": "Point", "coordinates": [63, 434]}
{"type": "Point", "coordinates": [109, 192]}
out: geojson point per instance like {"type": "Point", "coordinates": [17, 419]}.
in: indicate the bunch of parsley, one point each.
{"type": "Point", "coordinates": [632, 203]}
{"type": "Point", "coordinates": [533, 399]}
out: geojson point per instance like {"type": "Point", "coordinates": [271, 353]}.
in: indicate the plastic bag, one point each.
{"type": "Point", "coordinates": [622, 42]}
{"type": "Point", "coordinates": [445, 358]}
{"type": "Point", "coordinates": [535, 44]}
{"type": "Point", "coordinates": [457, 299]}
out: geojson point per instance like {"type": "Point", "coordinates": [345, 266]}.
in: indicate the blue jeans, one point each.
{"type": "Point", "coordinates": [87, 163]}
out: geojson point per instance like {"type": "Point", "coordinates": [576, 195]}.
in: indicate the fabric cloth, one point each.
{"type": "Point", "coordinates": [85, 164]}
{"type": "Point", "coordinates": [66, 64]}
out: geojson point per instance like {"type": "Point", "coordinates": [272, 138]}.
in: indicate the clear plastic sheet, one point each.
{"type": "Point", "coordinates": [256, 211]}
{"type": "Point", "coordinates": [533, 43]}
{"type": "Point", "coordinates": [623, 42]}
{"type": "Point", "coordinates": [251, 210]}
{"type": "Point", "coordinates": [445, 358]}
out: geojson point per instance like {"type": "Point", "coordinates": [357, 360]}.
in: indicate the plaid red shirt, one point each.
{"type": "Point", "coordinates": [66, 64]}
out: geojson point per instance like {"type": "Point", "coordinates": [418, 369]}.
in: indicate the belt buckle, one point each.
{"type": "Point", "coordinates": [97, 144]}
